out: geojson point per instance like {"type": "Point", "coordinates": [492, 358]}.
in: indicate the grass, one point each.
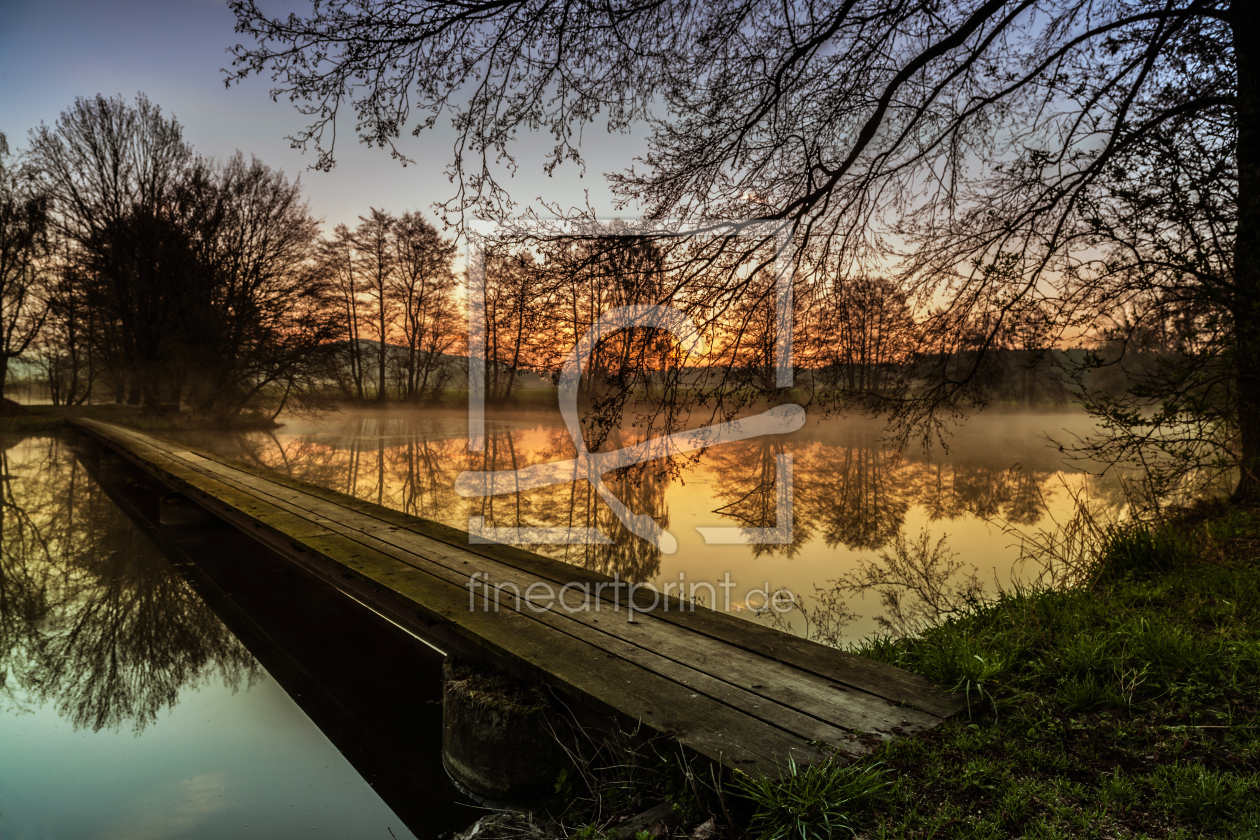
{"type": "Point", "coordinates": [1128, 706]}
{"type": "Point", "coordinates": [1125, 706]}
{"type": "Point", "coordinates": [814, 803]}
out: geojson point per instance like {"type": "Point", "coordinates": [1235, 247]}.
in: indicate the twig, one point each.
{"type": "Point", "coordinates": [721, 798]}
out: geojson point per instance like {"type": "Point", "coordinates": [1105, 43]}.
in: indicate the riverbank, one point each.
{"type": "Point", "coordinates": [49, 418]}
{"type": "Point", "coordinates": [1125, 706]}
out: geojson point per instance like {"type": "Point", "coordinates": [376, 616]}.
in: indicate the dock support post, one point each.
{"type": "Point", "coordinates": [499, 735]}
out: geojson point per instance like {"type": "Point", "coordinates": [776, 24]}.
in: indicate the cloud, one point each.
{"type": "Point", "coordinates": [171, 810]}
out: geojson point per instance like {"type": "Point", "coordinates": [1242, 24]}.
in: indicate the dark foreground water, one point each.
{"type": "Point", "coordinates": [157, 686]}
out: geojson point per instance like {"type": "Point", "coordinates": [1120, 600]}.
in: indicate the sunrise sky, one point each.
{"type": "Point", "coordinates": [174, 50]}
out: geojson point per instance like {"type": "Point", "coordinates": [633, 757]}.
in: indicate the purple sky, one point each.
{"type": "Point", "coordinates": [173, 50]}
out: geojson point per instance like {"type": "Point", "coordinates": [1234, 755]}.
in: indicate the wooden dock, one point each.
{"type": "Point", "coordinates": [736, 692]}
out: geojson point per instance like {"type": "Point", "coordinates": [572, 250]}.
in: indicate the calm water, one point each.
{"type": "Point", "coordinates": [852, 496]}
{"type": "Point", "coordinates": [128, 709]}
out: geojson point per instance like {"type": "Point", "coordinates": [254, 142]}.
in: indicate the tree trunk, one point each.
{"type": "Point", "coordinates": [4, 373]}
{"type": "Point", "coordinates": [1247, 251]}
{"type": "Point", "coordinates": [380, 359]}
{"type": "Point", "coordinates": [133, 387]}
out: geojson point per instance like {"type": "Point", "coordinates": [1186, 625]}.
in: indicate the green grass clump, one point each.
{"type": "Point", "coordinates": [1199, 795]}
{"type": "Point", "coordinates": [1143, 550]}
{"type": "Point", "coordinates": [812, 803]}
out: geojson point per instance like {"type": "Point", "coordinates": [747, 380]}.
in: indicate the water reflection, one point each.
{"type": "Point", "coordinates": [853, 496]}
{"type": "Point", "coordinates": [746, 486]}
{"type": "Point", "coordinates": [93, 620]}
{"type": "Point", "coordinates": [101, 641]}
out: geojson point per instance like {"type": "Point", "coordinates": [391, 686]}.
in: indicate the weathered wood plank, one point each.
{"type": "Point", "coordinates": [603, 680]}
{"type": "Point", "coordinates": [664, 652]}
{"type": "Point", "coordinates": [768, 683]}
{"type": "Point", "coordinates": [836, 666]}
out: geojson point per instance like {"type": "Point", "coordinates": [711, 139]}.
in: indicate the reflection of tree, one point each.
{"type": "Point", "coordinates": [849, 490]}
{"type": "Point", "coordinates": [108, 632]}
{"type": "Point", "coordinates": [631, 558]}
{"type": "Point", "coordinates": [404, 462]}
{"type": "Point", "coordinates": [428, 471]}
{"type": "Point", "coordinates": [1015, 495]}
{"type": "Point", "coordinates": [23, 598]}
{"type": "Point", "coordinates": [576, 505]}
{"type": "Point", "coordinates": [409, 462]}
{"type": "Point", "coordinates": [852, 494]}
{"type": "Point", "coordinates": [502, 511]}
{"type": "Point", "coordinates": [746, 482]}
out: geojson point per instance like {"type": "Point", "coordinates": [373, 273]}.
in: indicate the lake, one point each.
{"type": "Point", "coordinates": [141, 700]}
{"type": "Point", "coordinates": [852, 496]}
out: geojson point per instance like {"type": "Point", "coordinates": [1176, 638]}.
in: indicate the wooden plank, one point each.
{"type": "Point", "coordinates": [686, 660]}
{"type": "Point", "coordinates": [675, 657]}
{"type": "Point", "coordinates": [836, 666]}
{"type": "Point", "coordinates": [839, 684]}
{"type": "Point", "coordinates": [609, 684]}
{"type": "Point", "coordinates": [821, 661]}
{"type": "Point", "coordinates": [779, 684]}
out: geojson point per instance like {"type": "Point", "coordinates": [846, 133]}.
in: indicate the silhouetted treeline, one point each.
{"type": "Point", "coordinates": [134, 270]}
{"type": "Point", "coordinates": [169, 278]}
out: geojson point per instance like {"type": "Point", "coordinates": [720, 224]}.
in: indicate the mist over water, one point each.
{"type": "Point", "coordinates": [853, 495]}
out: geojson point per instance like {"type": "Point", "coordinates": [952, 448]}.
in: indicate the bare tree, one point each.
{"type": "Point", "coordinates": [261, 319]}
{"type": "Point", "coordinates": [337, 264]}
{"type": "Point", "coordinates": [193, 277]}
{"type": "Point", "coordinates": [65, 348]}
{"type": "Point", "coordinates": [111, 171]}
{"type": "Point", "coordinates": [515, 298]}
{"type": "Point", "coordinates": [373, 241]}
{"type": "Point", "coordinates": [1036, 135]}
{"type": "Point", "coordinates": [23, 247]}
{"type": "Point", "coordinates": [423, 290]}
{"type": "Point", "coordinates": [860, 337]}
